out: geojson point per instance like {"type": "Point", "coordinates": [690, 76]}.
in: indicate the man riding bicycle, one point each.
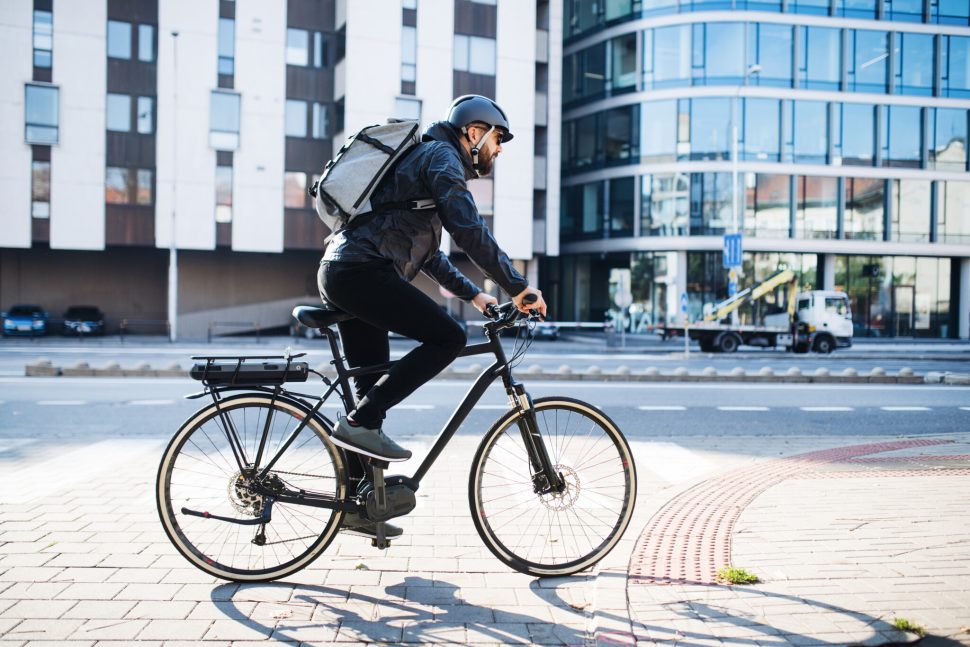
{"type": "Point", "coordinates": [368, 267]}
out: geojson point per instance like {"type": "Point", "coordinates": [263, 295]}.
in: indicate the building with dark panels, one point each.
{"type": "Point", "coordinates": [847, 121]}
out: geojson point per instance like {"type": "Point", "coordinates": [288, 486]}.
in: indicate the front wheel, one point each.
{"type": "Point", "coordinates": [560, 533]}
{"type": "Point", "coordinates": [199, 472]}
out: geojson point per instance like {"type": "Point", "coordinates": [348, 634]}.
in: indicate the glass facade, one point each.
{"type": "Point", "coordinates": [846, 131]}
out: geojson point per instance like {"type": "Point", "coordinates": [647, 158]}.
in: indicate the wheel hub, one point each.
{"type": "Point", "coordinates": [559, 501]}
{"type": "Point", "coordinates": [242, 498]}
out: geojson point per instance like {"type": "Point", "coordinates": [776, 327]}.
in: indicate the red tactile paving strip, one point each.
{"type": "Point", "coordinates": [947, 471]}
{"type": "Point", "coordinates": [689, 539]}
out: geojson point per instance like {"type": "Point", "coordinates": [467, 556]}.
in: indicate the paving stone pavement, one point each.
{"type": "Point", "coordinates": [840, 553]}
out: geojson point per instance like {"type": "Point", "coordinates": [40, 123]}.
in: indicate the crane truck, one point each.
{"type": "Point", "coordinates": [818, 320]}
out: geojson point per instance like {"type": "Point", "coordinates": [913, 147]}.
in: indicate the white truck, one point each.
{"type": "Point", "coordinates": [818, 320]}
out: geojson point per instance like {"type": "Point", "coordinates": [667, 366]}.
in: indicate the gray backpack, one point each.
{"type": "Point", "coordinates": [343, 192]}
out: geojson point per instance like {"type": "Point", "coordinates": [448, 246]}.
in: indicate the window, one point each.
{"type": "Point", "coordinates": [953, 226]}
{"type": "Point", "coordinates": [664, 204]}
{"type": "Point", "coordinates": [810, 131]}
{"type": "Point", "coordinates": [146, 43]}
{"type": "Point", "coordinates": [948, 148]}
{"type": "Point", "coordinates": [864, 208]}
{"type": "Point", "coordinates": [409, 54]}
{"type": "Point", "coordinates": [914, 64]}
{"type": "Point", "coordinates": [950, 12]}
{"type": "Point", "coordinates": [407, 108]}
{"type": "Point", "coordinates": [767, 205]}
{"type": "Point", "coordinates": [583, 143]}
{"type": "Point", "coordinates": [224, 121]}
{"type": "Point", "coordinates": [223, 194]}
{"type": "Point", "coordinates": [621, 206]}
{"type": "Point", "coordinates": [624, 74]}
{"type": "Point", "coordinates": [620, 126]}
{"type": "Point", "coordinates": [868, 60]}
{"type": "Point", "coordinates": [294, 190]}
{"type": "Point", "coordinates": [146, 115]}
{"type": "Point", "coordinates": [319, 50]}
{"type": "Point", "coordinates": [821, 59]}
{"type": "Point", "coordinates": [856, 8]}
{"type": "Point", "coordinates": [817, 7]}
{"type": "Point", "coordinates": [116, 185]}
{"type": "Point", "coordinates": [582, 211]}
{"type": "Point", "coordinates": [666, 56]}
{"type": "Point", "coordinates": [710, 120]}
{"type": "Point", "coordinates": [761, 133]}
{"type": "Point", "coordinates": [475, 54]}
{"type": "Point", "coordinates": [837, 306]}
{"type": "Point", "coordinates": [902, 131]}
{"type": "Point", "coordinates": [119, 39]}
{"type": "Point", "coordinates": [40, 189]}
{"type": "Point", "coordinates": [40, 114]}
{"type": "Point", "coordinates": [143, 187]}
{"type": "Point", "coordinates": [955, 66]}
{"type": "Point", "coordinates": [227, 46]}
{"type": "Point", "coordinates": [119, 113]}
{"type": "Point", "coordinates": [911, 210]}
{"type": "Point", "coordinates": [770, 46]}
{"type": "Point", "coordinates": [295, 118]}
{"type": "Point", "coordinates": [858, 134]}
{"type": "Point", "coordinates": [718, 53]}
{"type": "Point", "coordinates": [585, 74]}
{"type": "Point", "coordinates": [297, 47]}
{"type": "Point", "coordinates": [43, 38]}
{"type": "Point", "coordinates": [816, 207]}
{"type": "Point", "coordinates": [710, 204]}
{"type": "Point", "coordinates": [904, 10]}
{"type": "Point", "coordinates": [659, 128]}
{"type": "Point", "coordinates": [321, 125]}
{"type": "Point", "coordinates": [657, 7]}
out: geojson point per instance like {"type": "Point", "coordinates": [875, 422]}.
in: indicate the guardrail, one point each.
{"type": "Point", "coordinates": [235, 324]}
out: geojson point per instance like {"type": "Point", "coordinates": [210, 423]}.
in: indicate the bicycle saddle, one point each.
{"type": "Point", "coordinates": [320, 317]}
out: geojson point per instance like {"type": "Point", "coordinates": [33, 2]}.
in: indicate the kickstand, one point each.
{"type": "Point", "coordinates": [380, 498]}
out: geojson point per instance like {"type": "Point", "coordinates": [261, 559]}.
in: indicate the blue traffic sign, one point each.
{"type": "Point", "coordinates": [683, 302]}
{"type": "Point", "coordinates": [732, 250]}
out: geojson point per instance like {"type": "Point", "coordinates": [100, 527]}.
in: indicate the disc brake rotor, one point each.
{"type": "Point", "coordinates": [241, 498]}
{"type": "Point", "coordinates": [567, 498]}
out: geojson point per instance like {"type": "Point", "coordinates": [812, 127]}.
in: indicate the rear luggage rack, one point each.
{"type": "Point", "coordinates": [249, 370]}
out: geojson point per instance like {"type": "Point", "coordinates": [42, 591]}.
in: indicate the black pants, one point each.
{"type": "Point", "coordinates": [382, 301]}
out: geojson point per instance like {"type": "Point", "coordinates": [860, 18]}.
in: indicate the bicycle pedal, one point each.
{"type": "Point", "coordinates": [376, 544]}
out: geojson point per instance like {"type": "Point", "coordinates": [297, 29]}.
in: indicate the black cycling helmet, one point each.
{"type": "Point", "coordinates": [473, 108]}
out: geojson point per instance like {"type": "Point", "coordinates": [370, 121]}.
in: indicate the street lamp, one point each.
{"type": "Point", "coordinates": [173, 268]}
{"type": "Point", "coordinates": [751, 71]}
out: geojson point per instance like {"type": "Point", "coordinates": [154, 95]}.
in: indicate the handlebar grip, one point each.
{"type": "Point", "coordinates": [529, 298]}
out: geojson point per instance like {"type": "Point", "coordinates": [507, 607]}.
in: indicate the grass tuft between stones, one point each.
{"type": "Point", "coordinates": [908, 625]}
{"type": "Point", "coordinates": [733, 575]}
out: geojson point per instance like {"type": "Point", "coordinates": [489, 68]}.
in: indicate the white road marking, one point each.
{"type": "Point", "coordinates": [662, 407]}
{"type": "Point", "coordinates": [7, 444]}
{"type": "Point", "coordinates": [669, 461]}
{"type": "Point", "coordinates": [826, 408]}
{"type": "Point", "coordinates": [498, 407]}
{"type": "Point", "coordinates": [905, 408]}
{"type": "Point", "coordinates": [415, 407]}
{"type": "Point", "coordinates": [148, 403]}
{"type": "Point", "coordinates": [60, 403]}
{"type": "Point", "coordinates": [744, 409]}
{"type": "Point", "coordinates": [965, 408]}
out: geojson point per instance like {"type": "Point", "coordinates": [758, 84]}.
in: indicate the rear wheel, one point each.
{"type": "Point", "coordinates": [728, 343]}
{"type": "Point", "coordinates": [558, 533]}
{"type": "Point", "coordinates": [199, 472]}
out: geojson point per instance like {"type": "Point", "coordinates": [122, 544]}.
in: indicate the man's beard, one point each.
{"type": "Point", "coordinates": [486, 160]}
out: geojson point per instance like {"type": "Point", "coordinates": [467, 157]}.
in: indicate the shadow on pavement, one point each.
{"type": "Point", "coordinates": [417, 610]}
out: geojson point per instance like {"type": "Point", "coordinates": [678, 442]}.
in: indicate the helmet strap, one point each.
{"type": "Point", "coordinates": [477, 146]}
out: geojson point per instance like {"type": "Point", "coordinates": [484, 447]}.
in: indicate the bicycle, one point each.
{"type": "Point", "coordinates": [251, 489]}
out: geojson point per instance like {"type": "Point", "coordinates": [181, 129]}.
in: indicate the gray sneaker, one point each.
{"type": "Point", "coordinates": [369, 442]}
{"type": "Point", "coordinates": [358, 525]}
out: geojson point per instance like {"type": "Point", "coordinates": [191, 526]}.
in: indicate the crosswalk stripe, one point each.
{"type": "Point", "coordinates": [743, 409]}
{"type": "Point", "coordinates": [60, 403]}
{"type": "Point", "coordinates": [826, 408]}
{"type": "Point", "coordinates": [905, 408]}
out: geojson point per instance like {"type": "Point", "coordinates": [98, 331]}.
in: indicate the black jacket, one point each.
{"type": "Point", "coordinates": [437, 168]}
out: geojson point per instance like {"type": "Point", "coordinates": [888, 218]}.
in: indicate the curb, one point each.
{"type": "Point", "coordinates": [44, 368]}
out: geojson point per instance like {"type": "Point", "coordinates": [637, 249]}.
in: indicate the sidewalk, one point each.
{"type": "Point", "coordinates": [844, 540]}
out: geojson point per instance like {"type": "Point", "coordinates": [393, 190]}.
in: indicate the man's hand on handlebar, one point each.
{"type": "Point", "coordinates": [482, 301]}
{"type": "Point", "coordinates": [530, 300]}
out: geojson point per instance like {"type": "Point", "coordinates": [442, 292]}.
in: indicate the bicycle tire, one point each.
{"type": "Point", "coordinates": [192, 475]}
{"type": "Point", "coordinates": [506, 515]}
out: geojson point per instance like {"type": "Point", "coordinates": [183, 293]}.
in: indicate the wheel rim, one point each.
{"type": "Point", "coordinates": [555, 533]}
{"type": "Point", "coordinates": [200, 473]}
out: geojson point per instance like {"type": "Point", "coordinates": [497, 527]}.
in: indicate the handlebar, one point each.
{"type": "Point", "coordinates": [507, 312]}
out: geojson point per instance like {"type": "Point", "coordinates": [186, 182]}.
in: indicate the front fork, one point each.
{"type": "Point", "coordinates": [546, 479]}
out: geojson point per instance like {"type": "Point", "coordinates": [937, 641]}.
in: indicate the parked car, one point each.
{"type": "Point", "coordinates": [83, 320]}
{"type": "Point", "coordinates": [25, 320]}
